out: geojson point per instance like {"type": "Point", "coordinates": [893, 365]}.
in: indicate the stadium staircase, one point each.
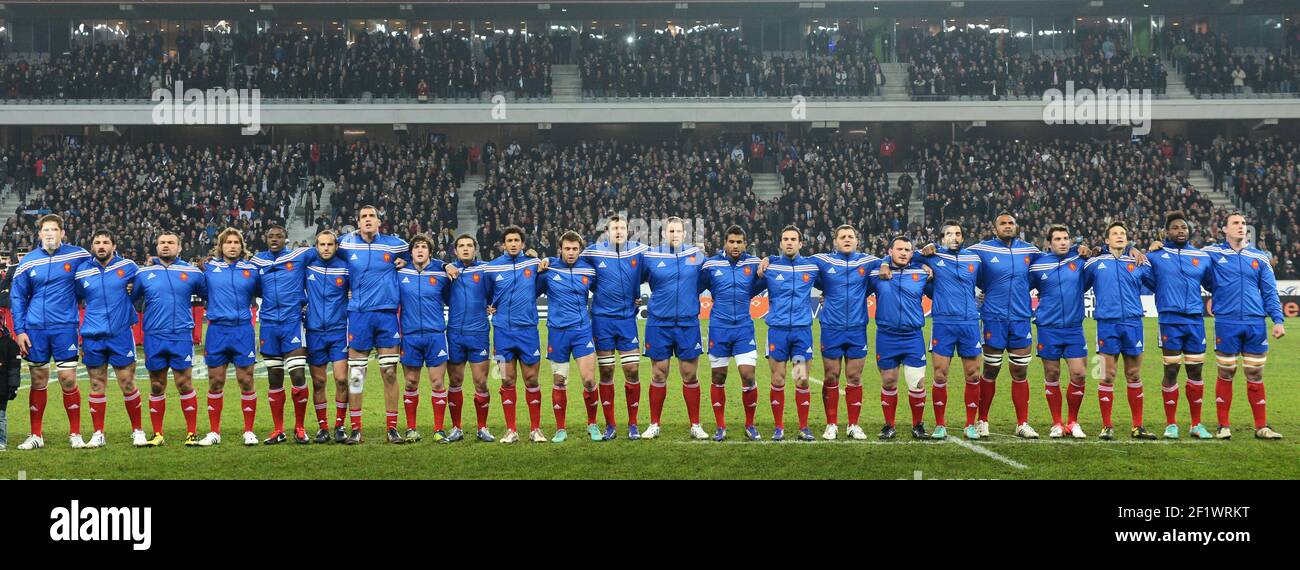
{"type": "Point", "coordinates": [466, 210]}
{"type": "Point", "coordinates": [10, 202]}
{"type": "Point", "coordinates": [1175, 87]}
{"type": "Point", "coordinates": [566, 84]}
{"type": "Point", "coordinates": [895, 81]}
{"type": "Point", "coordinates": [307, 232]}
{"type": "Point", "coordinates": [1200, 180]}
{"type": "Point", "coordinates": [767, 186]}
{"type": "Point", "coordinates": [915, 202]}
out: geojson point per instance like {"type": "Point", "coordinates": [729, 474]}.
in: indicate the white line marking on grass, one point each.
{"type": "Point", "coordinates": [987, 453]}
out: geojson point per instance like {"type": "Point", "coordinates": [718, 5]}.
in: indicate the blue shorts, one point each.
{"type": "Point", "coordinates": [615, 334]}
{"type": "Point", "coordinates": [1234, 338]}
{"type": "Point", "coordinates": [1055, 343]}
{"type": "Point", "coordinates": [1004, 335]}
{"type": "Point", "coordinates": [281, 339]}
{"type": "Point", "coordinates": [964, 337]}
{"type": "Point", "coordinates": [468, 347]}
{"type": "Point", "coordinates": [895, 347]}
{"type": "Point", "coordinates": [226, 344]}
{"type": "Point", "coordinates": [118, 350]}
{"type": "Point", "coordinates": [1187, 338]}
{"type": "Point", "coordinates": [59, 344]}
{"type": "Point", "coordinates": [173, 350]}
{"type": "Point", "coordinates": [663, 342]}
{"type": "Point", "coordinates": [726, 342]}
{"type": "Point", "coordinates": [324, 347]}
{"type": "Point", "coordinates": [420, 350]}
{"type": "Point", "coordinates": [1116, 336]}
{"type": "Point", "coordinates": [517, 344]}
{"type": "Point", "coordinates": [850, 343]}
{"type": "Point", "coordinates": [373, 329]}
{"type": "Point", "coordinates": [561, 344]}
{"type": "Point", "coordinates": [789, 343]}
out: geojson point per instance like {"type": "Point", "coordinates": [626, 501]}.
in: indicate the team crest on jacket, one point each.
{"type": "Point", "coordinates": [805, 277]}
{"type": "Point", "coordinates": [1195, 262]}
{"type": "Point", "coordinates": [633, 263]}
{"type": "Point", "coordinates": [690, 259]}
{"type": "Point", "coordinates": [433, 280]}
{"type": "Point", "coordinates": [862, 270]}
{"type": "Point", "coordinates": [916, 277]}
{"type": "Point", "coordinates": [1026, 260]}
{"type": "Point", "coordinates": [338, 281]}
{"type": "Point", "coordinates": [970, 268]}
{"type": "Point", "coordinates": [1073, 267]}
{"type": "Point", "coordinates": [475, 278]}
{"type": "Point", "coordinates": [67, 267]}
{"type": "Point", "coordinates": [185, 277]}
{"type": "Point", "coordinates": [289, 266]}
{"type": "Point", "coordinates": [388, 257]}
{"type": "Point", "coordinates": [1131, 267]}
{"type": "Point", "coordinates": [247, 274]}
{"type": "Point", "coordinates": [1254, 264]}
{"type": "Point", "coordinates": [528, 272]}
{"type": "Point", "coordinates": [585, 280]}
{"type": "Point", "coordinates": [120, 274]}
{"type": "Point", "coordinates": [746, 271]}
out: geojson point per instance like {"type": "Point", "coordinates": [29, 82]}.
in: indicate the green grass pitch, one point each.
{"type": "Point", "coordinates": [674, 455]}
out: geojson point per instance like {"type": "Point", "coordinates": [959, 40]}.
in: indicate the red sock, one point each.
{"type": "Point", "coordinates": [411, 403]}
{"type": "Point", "coordinates": [1074, 400]}
{"type": "Point", "coordinates": [778, 407]}
{"type": "Point", "coordinates": [275, 400]}
{"type": "Point", "coordinates": [157, 407]}
{"type": "Point", "coordinates": [354, 418]}
{"type": "Point", "coordinates": [1106, 399]}
{"type": "Point", "coordinates": [1053, 390]}
{"type": "Point", "coordinates": [718, 399]}
{"type": "Point", "coordinates": [190, 409]}
{"type": "Point", "coordinates": [1223, 399]}
{"type": "Point", "coordinates": [802, 403]}
{"type": "Point", "coordinates": [248, 403]}
{"type": "Point", "coordinates": [917, 400]}
{"type": "Point", "coordinates": [455, 402]}
{"type": "Point", "coordinates": [658, 393]}
{"type": "Point", "coordinates": [37, 399]}
{"type": "Point", "coordinates": [340, 412]}
{"type": "Point", "coordinates": [1195, 395]}
{"type": "Point", "coordinates": [72, 403]}
{"type": "Point", "coordinates": [591, 400]}
{"type": "Point", "coordinates": [749, 399]}
{"type": "Point", "coordinates": [439, 410]}
{"type": "Point", "coordinates": [534, 396]}
{"type": "Point", "coordinates": [853, 402]}
{"type": "Point", "coordinates": [97, 403]}
{"type": "Point", "coordinates": [988, 387]}
{"type": "Point", "coordinates": [691, 393]}
{"type": "Point", "coordinates": [1255, 391]}
{"type": "Point", "coordinates": [390, 419]}
{"type": "Point", "coordinates": [1170, 396]}
{"type": "Point", "coordinates": [216, 401]}
{"type": "Point", "coordinates": [322, 418]}
{"type": "Point", "coordinates": [560, 403]}
{"type": "Point", "coordinates": [831, 402]}
{"type": "Point", "coordinates": [300, 396]}
{"type": "Point", "coordinates": [1020, 399]}
{"type": "Point", "coordinates": [889, 403]}
{"type": "Point", "coordinates": [606, 392]}
{"type": "Point", "coordinates": [1135, 400]}
{"type": "Point", "coordinates": [133, 403]}
{"type": "Point", "coordinates": [939, 394]}
{"type": "Point", "coordinates": [508, 398]}
{"type": "Point", "coordinates": [632, 393]}
{"type": "Point", "coordinates": [482, 403]}
{"type": "Point", "coordinates": [972, 398]}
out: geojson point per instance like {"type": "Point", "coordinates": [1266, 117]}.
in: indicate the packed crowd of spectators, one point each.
{"type": "Point", "coordinates": [1265, 174]}
{"type": "Point", "coordinates": [284, 64]}
{"type": "Point", "coordinates": [974, 62]}
{"type": "Point", "coordinates": [138, 191]}
{"type": "Point", "coordinates": [434, 65]}
{"type": "Point", "coordinates": [1210, 64]}
{"type": "Point", "coordinates": [131, 69]}
{"type": "Point", "coordinates": [717, 62]}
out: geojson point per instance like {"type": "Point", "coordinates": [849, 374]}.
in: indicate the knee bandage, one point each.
{"type": "Point", "coordinates": [38, 366]}
{"type": "Point", "coordinates": [719, 361]}
{"type": "Point", "coordinates": [388, 360]}
{"type": "Point", "coordinates": [1020, 359]}
{"type": "Point", "coordinates": [560, 369]}
{"type": "Point", "coordinates": [994, 360]}
{"type": "Point", "coordinates": [295, 363]}
{"type": "Point", "coordinates": [1226, 361]}
{"type": "Point", "coordinates": [915, 377]}
{"type": "Point", "coordinates": [356, 376]}
{"type": "Point", "coordinates": [1174, 360]}
{"type": "Point", "coordinates": [69, 365]}
{"type": "Point", "coordinates": [626, 359]}
{"type": "Point", "coordinates": [272, 363]}
{"type": "Point", "coordinates": [1194, 359]}
{"type": "Point", "coordinates": [1253, 363]}
{"type": "Point", "coordinates": [607, 360]}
